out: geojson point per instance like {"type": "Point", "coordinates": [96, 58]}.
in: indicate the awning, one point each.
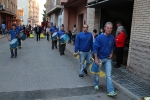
{"type": "Point", "coordinates": [56, 8]}
{"type": "Point", "coordinates": [63, 2]}
{"type": "Point", "coordinates": [74, 3]}
{"type": "Point", "coordinates": [111, 4]}
{"type": "Point", "coordinates": [9, 13]}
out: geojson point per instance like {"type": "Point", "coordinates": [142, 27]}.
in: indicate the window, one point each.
{"type": "Point", "coordinates": [11, 6]}
{"type": "Point", "coordinates": [54, 1]}
{"type": "Point", "coordinates": [14, 7]}
{"type": "Point", "coordinates": [7, 3]}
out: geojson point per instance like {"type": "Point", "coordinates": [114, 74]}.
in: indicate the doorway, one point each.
{"type": "Point", "coordinates": [80, 22]}
{"type": "Point", "coordinates": [123, 15]}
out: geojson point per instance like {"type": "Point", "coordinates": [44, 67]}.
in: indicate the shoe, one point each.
{"type": "Point", "coordinates": [11, 56]}
{"type": "Point", "coordinates": [19, 47]}
{"type": "Point", "coordinates": [117, 66]}
{"type": "Point", "coordinates": [112, 94]}
{"type": "Point", "coordinates": [96, 87]}
{"type": "Point", "coordinates": [85, 72]}
{"type": "Point", "coordinates": [63, 53]}
{"type": "Point", "coordinates": [114, 63]}
{"type": "Point", "coordinates": [81, 76]}
{"type": "Point", "coordinates": [15, 56]}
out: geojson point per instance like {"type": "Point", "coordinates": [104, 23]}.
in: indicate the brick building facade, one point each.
{"type": "Point", "coordinates": [76, 13]}
{"type": "Point", "coordinates": [54, 13]}
{"type": "Point", "coordinates": [8, 12]}
{"type": "Point", "coordinates": [137, 23]}
{"type": "Point", "coordinates": [139, 51]}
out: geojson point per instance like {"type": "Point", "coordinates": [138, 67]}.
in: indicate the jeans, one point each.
{"type": "Point", "coordinates": [19, 42]}
{"type": "Point", "coordinates": [70, 38]}
{"type": "Point", "coordinates": [12, 53]}
{"type": "Point", "coordinates": [47, 37]}
{"type": "Point", "coordinates": [84, 56]}
{"type": "Point", "coordinates": [106, 63]}
{"type": "Point", "coordinates": [3, 31]}
{"type": "Point", "coordinates": [73, 38]}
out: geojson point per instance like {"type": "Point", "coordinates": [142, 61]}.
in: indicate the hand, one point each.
{"type": "Point", "coordinates": [110, 56]}
{"type": "Point", "coordinates": [75, 54]}
{"type": "Point", "coordinates": [96, 61]}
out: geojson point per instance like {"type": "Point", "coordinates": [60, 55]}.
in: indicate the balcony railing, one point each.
{"type": "Point", "coordinates": [50, 5]}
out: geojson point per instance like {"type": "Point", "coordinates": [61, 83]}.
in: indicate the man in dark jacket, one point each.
{"type": "Point", "coordinates": [38, 30]}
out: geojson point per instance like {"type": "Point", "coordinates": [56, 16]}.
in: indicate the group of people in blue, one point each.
{"type": "Point", "coordinates": [101, 48]}
{"type": "Point", "coordinates": [88, 45]}
{"type": "Point", "coordinates": [56, 34]}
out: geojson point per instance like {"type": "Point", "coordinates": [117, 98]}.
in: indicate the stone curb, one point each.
{"type": "Point", "coordinates": [125, 91]}
{"type": "Point", "coordinates": [119, 86]}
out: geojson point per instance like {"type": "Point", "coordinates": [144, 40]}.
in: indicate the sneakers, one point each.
{"type": "Point", "coordinates": [96, 87]}
{"type": "Point", "coordinates": [81, 76]}
{"type": "Point", "coordinates": [19, 47]}
{"type": "Point", "coordinates": [11, 56]}
{"type": "Point", "coordinates": [85, 72]}
{"type": "Point", "coordinates": [112, 94]}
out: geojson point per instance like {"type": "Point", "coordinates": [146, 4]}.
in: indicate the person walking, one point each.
{"type": "Point", "coordinates": [61, 46]}
{"type": "Point", "coordinates": [120, 43]}
{"type": "Point", "coordinates": [74, 33]}
{"type": "Point", "coordinates": [47, 33]}
{"type": "Point", "coordinates": [52, 30]}
{"type": "Point", "coordinates": [19, 29]}
{"type": "Point", "coordinates": [84, 47]}
{"type": "Point", "coordinates": [103, 51]}
{"type": "Point", "coordinates": [38, 31]}
{"type": "Point", "coordinates": [3, 26]}
{"type": "Point", "coordinates": [70, 35]}
{"type": "Point", "coordinates": [13, 35]}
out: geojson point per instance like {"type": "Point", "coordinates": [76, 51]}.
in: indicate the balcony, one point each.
{"type": "Point", "coordinates": [53, 6]}
{"type": "Point", "coordinates": [63, 2]}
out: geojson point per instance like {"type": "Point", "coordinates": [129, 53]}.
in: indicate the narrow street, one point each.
{"type": "Point", "coordinates": [40, 73]}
